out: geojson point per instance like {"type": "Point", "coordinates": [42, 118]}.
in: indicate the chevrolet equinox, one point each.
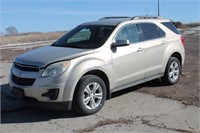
{"type": "Point", "coordinates": [85, 66]}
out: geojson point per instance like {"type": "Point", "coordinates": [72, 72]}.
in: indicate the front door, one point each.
{"type": "Point", "coordinates": [128, 61]}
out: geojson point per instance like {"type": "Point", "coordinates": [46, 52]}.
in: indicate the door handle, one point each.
{"type": "Point", "coordinates": [139, 49]}
{"type": "Point", "coordinates": [164, 42]}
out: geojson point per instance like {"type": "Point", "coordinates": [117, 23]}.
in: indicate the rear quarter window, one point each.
{"type": "Point", "coordinates": [171, 26]}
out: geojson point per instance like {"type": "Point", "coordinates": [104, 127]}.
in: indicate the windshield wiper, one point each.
{"type": "Point", "coordinates": [73, 46]}
{"type": "Point", "coordinates": [67, 46]}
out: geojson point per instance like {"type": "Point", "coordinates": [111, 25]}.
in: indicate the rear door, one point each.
{"type": "Point", "coordinates": [154, 45]}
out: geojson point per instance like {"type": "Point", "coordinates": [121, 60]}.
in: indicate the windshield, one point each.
{"type": "Point", "coordinates": [85, 36]}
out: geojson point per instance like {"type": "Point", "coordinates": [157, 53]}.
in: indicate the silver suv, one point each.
{"type": "Point", "coordinates": [82, 68]}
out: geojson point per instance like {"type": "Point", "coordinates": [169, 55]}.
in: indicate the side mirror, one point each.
{"type": "Point", "coordinates": [121, 43]}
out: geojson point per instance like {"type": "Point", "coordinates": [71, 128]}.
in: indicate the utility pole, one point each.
{"type": "Point", "coordinates": [158, 8]}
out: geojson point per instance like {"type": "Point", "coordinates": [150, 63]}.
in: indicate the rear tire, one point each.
{"type": "Point", "coordinates": [90, 95]}
{"type": "Point", "coordinates": [172, 72]}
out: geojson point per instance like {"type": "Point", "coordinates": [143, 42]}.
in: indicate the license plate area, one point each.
{"type": "Point", "coordinates": [18, 92]}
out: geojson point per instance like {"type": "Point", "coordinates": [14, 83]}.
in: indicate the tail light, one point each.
{"type": "Point", "coordinates": [182, 40]}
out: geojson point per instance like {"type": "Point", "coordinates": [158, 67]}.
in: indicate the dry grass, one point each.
{"type": "Point", "coordinates": [31, 37]}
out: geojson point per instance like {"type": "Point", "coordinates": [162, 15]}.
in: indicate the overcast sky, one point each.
{"type": "Point", "coordinates": [60, 15]}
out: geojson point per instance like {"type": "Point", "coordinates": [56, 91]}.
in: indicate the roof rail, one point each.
{"type": "Point", "coordinates": [114, 17]}
{"type": "Point", "coordinates": [146, 17]}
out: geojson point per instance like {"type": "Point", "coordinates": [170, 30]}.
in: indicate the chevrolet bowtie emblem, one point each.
{"type": "Point", "coordinates": [20, 73]}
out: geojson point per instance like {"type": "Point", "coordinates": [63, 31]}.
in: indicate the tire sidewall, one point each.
{"type": "Point", "coordinates": [83, 83]}
{"type": "Point", "coordinates": [171, 60]}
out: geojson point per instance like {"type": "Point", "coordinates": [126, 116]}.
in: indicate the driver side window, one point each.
{"type": "Point", "coordinates": [128, 32]}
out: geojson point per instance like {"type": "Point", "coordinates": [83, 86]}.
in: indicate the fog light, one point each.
{"type": "Point", "coordinates": [51, 94]}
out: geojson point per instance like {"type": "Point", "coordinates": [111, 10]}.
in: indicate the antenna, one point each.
{"type": "Point", "coordinates": [148, 12]}
{"type": "Point", "coordinates": [158, 4]}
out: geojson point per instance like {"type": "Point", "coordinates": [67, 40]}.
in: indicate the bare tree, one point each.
{"type": "Point", "coordinates": [12, 30]}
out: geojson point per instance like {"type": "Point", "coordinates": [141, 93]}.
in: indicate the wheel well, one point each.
{"type": "Point", "coordinates": [104, 77]}
{"type": "Point", "coordinates": [178, 56]}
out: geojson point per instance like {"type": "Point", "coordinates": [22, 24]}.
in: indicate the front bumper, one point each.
{"type": "Point", "coordinates": [44, 89]}
{"type": "Point", "coordinates": [40, 93]}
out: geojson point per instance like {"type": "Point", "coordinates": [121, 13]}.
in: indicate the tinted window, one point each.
{"type": "Point", "coordinates": [162, 33]}
{"type": "Point", "coordinates": [170, 26]}
{"type": "Point", "coordinates": [151, 31]}
{"type": "Point", "coordinates": [140, 32]}
{"type": "Point", "coordinates": [128, 32]}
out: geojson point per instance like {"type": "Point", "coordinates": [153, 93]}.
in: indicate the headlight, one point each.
{"type": "Point", "coordinates": [56, 69]}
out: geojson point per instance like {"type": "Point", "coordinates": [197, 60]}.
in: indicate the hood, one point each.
{"type": "Point", "coordinates": [45, 55]}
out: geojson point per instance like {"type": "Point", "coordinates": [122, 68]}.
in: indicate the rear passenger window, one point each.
{"type": "Point", "coordinates": [171, 26]}
{"type": "Point", "coordinates": [128, 32]}
{"type": "Point", "coordinates": [162, 33]}
{"type": "Point", "coordinates": [151, 31]}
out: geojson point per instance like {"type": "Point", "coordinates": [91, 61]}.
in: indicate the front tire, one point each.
{"type": "Point", "coordinates": [172, 72]}
{"type": "Point", "coordinates": [90, 95]}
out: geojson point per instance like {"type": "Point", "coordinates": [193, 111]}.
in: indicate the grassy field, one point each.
{"type": "Point", "coordinates": [31, 37]}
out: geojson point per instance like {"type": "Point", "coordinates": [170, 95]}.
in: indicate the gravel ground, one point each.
{"type": "Point", "coordinates": [187, 89]}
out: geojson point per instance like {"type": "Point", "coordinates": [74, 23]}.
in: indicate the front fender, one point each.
{"type": "Point", "coordinates": [81, 66]}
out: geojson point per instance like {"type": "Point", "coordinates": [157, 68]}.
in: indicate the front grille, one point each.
{"type": "Point", "coordinates": [27, 67]}
{"type": "Point", "coordinates": [23, 81]}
